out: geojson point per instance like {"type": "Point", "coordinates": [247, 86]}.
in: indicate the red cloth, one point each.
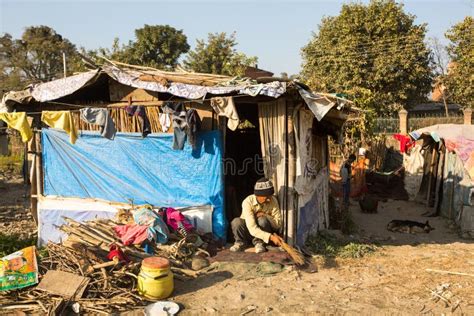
{"type": "Point", "coordinates": [131, 234]}
{"type": "Point", "coordinates": [405, 142]}
{"type": "Point", "coordinates": [115, 251]}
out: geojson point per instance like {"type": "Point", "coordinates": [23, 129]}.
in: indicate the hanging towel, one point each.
{"type": "Point", "coordinates": [165, 122]}
{"type": "Point", "coordinates": [18, 121]}
{"type": "Point", "coordinates": [405, 142]}
{"type": "Point", "coordinates": [193, 122]}
{"type": "Point", "coordinates": [102, 118]}
{"type": "Point", "coordinates": [62, 120]}
{"type": "Point", "coordinates": [224, 106]}
{"type": "Point", "coordinates": [137, 110]}
{"type": "Point", "coordinates": [178, 111]}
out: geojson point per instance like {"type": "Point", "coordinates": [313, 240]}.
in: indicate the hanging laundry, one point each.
{"type": "Point", "coordinates": [62, 120]}
{"type": "Point", "coordinates": [139, 111]}
{"type": "Point", "coordinates": [102, 118]}
{"type": "Point", "coordinates": [224, 106]}
{"type": "Point", "coordinates": [405, 142]}
{"type": "Point", "coordinates": [165, 122]}
{"type": "Point", "coordinates": [193, 122]}
{"type": "Point", "coordinates": [178, 112]}
{"type": "Point", "coordinates": [18, 121]}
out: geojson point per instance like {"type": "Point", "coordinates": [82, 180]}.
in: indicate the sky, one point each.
{"type": "Point", "coordinates": [274, 31]}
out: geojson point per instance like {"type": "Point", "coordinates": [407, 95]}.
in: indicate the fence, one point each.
{"type": "Point", "coordinates": [420, 121]}
{"type": "Point", "coordinates": [386, 125]}
{"type": "Point", "coordinates": [406, 122]}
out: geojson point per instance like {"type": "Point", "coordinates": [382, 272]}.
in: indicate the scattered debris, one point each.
{"type": "Point", "coordinates": [96, 284]}
{"type": "Point", "coordinates": [443, 294]}
{"type": "Point", "coordinates": [53, 282]}
{"type": "Point", "coordinates": [449, 272]}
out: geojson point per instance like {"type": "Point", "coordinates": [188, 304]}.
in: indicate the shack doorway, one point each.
{"type": "Point", "coordinates": [243, 164]}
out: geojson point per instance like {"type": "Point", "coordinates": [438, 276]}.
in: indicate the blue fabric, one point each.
{"type": "Point", "coordinates": [142, 170]}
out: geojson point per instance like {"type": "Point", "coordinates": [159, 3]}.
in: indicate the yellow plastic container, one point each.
{"type": "Point", "coordinates": [155, 280]}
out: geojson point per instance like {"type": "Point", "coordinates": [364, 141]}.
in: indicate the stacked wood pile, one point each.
{"type": "Point", "coordinates": [111, 286]}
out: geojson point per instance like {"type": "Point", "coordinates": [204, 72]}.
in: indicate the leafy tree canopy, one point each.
{"type": "Point", "coordinates": [157, 46]}
{"type": "Point", "coordinates": [36, 57]}
{"type": "Point", "coordinates": [218, 55]}
{"type": "Point", "coordinates": [460, 78]}
{"type": "Point", "coordinates": [374, 52]}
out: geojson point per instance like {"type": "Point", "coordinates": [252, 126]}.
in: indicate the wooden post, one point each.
{"type": "Point", "coordinates": [403, 115]}
{"type": "Point", "coordinates": [34, 189]}
{"type": "Point", "coordinates": [467, 116]}
{"type": "Point", "coordinates": [291, 149]}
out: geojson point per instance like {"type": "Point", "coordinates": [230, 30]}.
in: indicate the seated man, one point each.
{"type": "Point", "coordinates": [260, 219]}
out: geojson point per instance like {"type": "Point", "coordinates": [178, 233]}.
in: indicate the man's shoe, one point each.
{"type": "Point", "coordinates": [237, 247]}
{"type": "Point", "coordinates": [260, 247]}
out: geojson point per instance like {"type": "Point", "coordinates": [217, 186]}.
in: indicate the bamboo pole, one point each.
{"type": "Point", "coordinates": [291, 173]}
{"type": "Point", "coordinates": [34, 183]}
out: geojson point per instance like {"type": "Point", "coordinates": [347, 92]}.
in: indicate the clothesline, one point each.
{"type": "Point", "coordinates": [186, 121]}
{"type": "Point", "coordinates": [136, 103]}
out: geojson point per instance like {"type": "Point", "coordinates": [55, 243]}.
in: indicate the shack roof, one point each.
{"type": "Point", "coordinates": [177, 85]}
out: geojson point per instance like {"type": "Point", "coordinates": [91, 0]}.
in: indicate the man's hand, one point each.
{"type": "Point", "coordinates": [260, 214]}
{"type": "Point", "coordinates": [277, 240]}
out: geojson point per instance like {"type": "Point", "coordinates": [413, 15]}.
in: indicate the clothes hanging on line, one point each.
{"type": "Point", "coordinates": [18, 121]}
{"type": "Point", "coordinates": [61, 120]}
{"type": "Point", "coordinates": [178, 113]}
{"type": "Point", "coordinates": [405, 142]}
{"type": "Point", "coordinates": [224, 106]}
{"type": "Point", "coordinates": [102, 118]}
{"type": "Point", "coordinates": [165, 122]}
{"type": "Point", "coordinates": [193, 126]}
{"type": "Point", "coordinates": [139, 111]}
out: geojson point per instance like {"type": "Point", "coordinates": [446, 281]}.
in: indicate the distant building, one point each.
{"type": "Point", "coordinates": [255, 72]}
{"type": "Point", "coordinates": [434, 108]}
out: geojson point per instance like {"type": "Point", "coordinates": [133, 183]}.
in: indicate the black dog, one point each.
{"type": "Point", "coordinates": [410, 227]}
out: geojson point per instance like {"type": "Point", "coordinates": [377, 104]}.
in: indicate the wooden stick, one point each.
{"type": "Point", "coordinates": [449, 272]}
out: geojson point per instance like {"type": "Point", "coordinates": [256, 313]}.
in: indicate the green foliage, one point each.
{"type": "Point", "coordinates": [12, 243]}
{"type": "Point", "coordinates": [330, 246]}
{"type": "Point", "coordinates": [373, 52]}
{"type": "Point", "coordinates": [157, 46]}
{"type": "Point", "coordinates": [12, 163]}
{"type": "Point", "coordinates": [460, 78]}
{"type": "Point", "coordinates": [36, 57]}
{"type": "Point", "coordinates": [218, 56]}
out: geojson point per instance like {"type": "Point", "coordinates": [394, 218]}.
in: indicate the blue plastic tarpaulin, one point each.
{"type": "Point", "coordinates": [135, 169]}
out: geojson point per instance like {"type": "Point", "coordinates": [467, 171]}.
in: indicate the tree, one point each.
{"type": "Point", "coordinates": [157, 46]}
{"type": "Point", "coordinates": [440, 66]}
{"type": "Point", "coordinates": [38, 55]}
{"type": "Point", "coordinates": [218, 56]}
{"type": "Point", "coordinates": [460, 75]}
{"type": "Point", "coordinates": [374, 52]}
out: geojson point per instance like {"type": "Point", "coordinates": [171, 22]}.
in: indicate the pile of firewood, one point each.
{"type": "Point", "coordinates": [111, 285]}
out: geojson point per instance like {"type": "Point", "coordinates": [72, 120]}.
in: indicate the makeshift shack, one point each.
{"type": "Point", "coordinates": [440, 171]}
{"type": "Point", "coordinates": [244, 129]}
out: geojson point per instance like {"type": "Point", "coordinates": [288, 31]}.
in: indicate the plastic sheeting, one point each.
{"type": "Point", "coordinates": [139, 170]}
{"type": "Point", "coordinates": [189, 91]}
{"type": "Point", "coordinates": [51, 213]}
{"type": "Point", "coordinates": [313, 214]}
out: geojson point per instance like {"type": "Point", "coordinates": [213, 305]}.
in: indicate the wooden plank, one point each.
{"type": "Point", "coordinates": [120, 92]}
{"type": "Point", "coordinates": [54, 282]}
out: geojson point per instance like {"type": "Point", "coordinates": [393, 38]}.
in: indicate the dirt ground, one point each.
{"type": "Point", "coordinates": [393, 280]}
{"type": "Point", "coordinates": [15, 216]}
